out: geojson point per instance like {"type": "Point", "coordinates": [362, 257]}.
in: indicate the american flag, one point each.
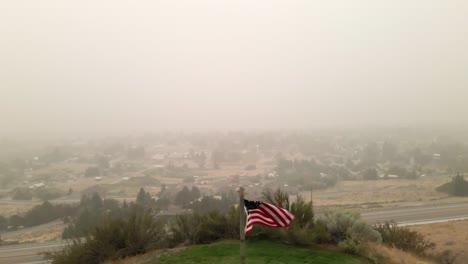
{"type": "Point", "coordinates": [260, 213]}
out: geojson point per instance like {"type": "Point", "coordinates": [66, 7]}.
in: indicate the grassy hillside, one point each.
{"type": "Point", "coordinates": [227, 252]}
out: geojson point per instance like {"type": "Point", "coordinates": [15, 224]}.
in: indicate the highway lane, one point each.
{"type": "Point", "coordinates": [409, 216]}
{"type": "Point", "coordinates": [29, 253]}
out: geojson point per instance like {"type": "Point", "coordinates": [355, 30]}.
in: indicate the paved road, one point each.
{"type": "Point", "coordinates": [420, 215]}
{"type": "Point", "coordinates": [27, 253]}
{"type": "Point", "coordinates": [30, 253]}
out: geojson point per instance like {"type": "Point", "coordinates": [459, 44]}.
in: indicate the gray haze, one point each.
{"type": "Point", "coordinates": [125, 66]}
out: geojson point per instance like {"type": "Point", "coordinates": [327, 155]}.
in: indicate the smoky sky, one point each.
{"type": "Point", "coordinates": [120, 66]}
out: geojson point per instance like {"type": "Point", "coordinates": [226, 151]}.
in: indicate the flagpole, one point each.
{"type": "Point", "coordinates": [242, 225]}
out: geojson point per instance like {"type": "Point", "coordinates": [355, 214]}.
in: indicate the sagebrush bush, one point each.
{"type": "Point", "coordinates": [348, 231]}
{"type": "Point", "coordinates": [320, 232]}
{"type": "Point", "coordinates": [301, 231]}
{"type": "Point", "coordinates": [198, 228]}
{"type": "Point", "coordinates": [403, 238]}
{"type": "Point", "coordinates": [115, 238]}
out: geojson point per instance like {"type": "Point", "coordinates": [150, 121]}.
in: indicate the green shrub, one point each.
{"type": "Point", "coordinates": [349, 231]}
{"type": "Point", "coordinates": [457, 187]}
{"type": "Point", "coordinates": [186, 229]}
{"type": "Point", "coordinates": [301, 231]}
{"type": "Point", "coordinates": [48, 193]}
{"type": "Point", "coordinates": [116, 238]}
{"type": "Point", "coordinates": [403, 238]}
{"type": "Point", "coordinates": [22, 194]}
{"type": "Point", "coordinates": [199, 228]}
{"type": "Point", "coordinates": [339, 222]}
{"type": "Point", "coordinates": [319, 232]}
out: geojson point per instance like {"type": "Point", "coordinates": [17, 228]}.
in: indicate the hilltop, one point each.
{"type": "Point", "coordinates": [227, 252]}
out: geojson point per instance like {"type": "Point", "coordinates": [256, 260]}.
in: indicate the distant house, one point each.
{"type": "Point", "coordinates": [98, 178]}
{"type": "Point", "coordinates": [272, 175]}
{"type": "Point", "coordinates": [37, 185]}
{"type": "Point", "coordinates": [436, 156]}
{"type": "Point", "coordinates": [159, 157]}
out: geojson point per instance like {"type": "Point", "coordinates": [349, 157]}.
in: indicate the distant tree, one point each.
{"type": "Point", "coordinates": [92, 172]}
{"type": "Point", "coordinates": [3, 223]}
{"type": "Point", "coordinates": [371, 154]}
{"type": "Point", "coordinates": [183, 197]}
{"type": "Point", "coordinates": [103, 162]}
{"type": "Point", "coordinates": [7, 175]}
{"type": "Point", "coordinates": [22, 194]}
{"type": "Point", "coordinates": [419, 157]}
{"type": "Point", "coordinates": [136, 153]}
{"type": "Point", "coordinates": [162, 192]}
{"type": "Point", "coordinates": [144, 198]}
{"type": "Point", "coordinates": [195, 193]}
{"type": "Point", "coordinates": [48, 193]}
{"type": "Point", "coordinates": [162, 203]}
{"type": "Point", "coordinates": [371, 174]}
{"type": "Point", "coordinates": [16, 220]}
{"type": "Point", "coordinates": [233, 156]}
{"type": "Point", "coordinates": [457, 187]}
{"type": "Point", "coordinates": [96, 201]}
{"type": "Point", "coordinates": [200, 158]}
{"type": "Point", "coordinates": [389, 150]}
{"type": "Point", "coordinates": [250, 167]}
{"type": "Point", "coordinates": [217, 157]}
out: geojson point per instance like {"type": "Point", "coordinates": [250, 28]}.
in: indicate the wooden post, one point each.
{"type": "Point", "coordinates": [242, 219]}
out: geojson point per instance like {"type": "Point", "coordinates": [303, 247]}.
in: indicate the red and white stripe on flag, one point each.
{"type": "Point", "coordinates": [268, 215]}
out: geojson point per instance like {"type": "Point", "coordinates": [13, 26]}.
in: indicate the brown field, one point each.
{"type": "Point", "coordinates": [451, 236]}
{"type": "Point", "coordinates": [8, 209]}
{"type": "Point", "coordinates": [380, 191]}
{"type": "Point", "coordinates": [43, 233]}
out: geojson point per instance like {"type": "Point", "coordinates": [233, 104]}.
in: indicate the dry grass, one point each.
{"type": "Point", "coordinates": [8, 209]}
{"type": "Point", "coordinates": [37, 234]}
{"type": "Point", "coordinates": [380, 191]}
{"type": "Point", "coordinates": [395, 256]}
{"type": "Point", "coordinates": [447, 236]}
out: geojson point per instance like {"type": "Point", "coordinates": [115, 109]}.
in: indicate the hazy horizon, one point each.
{"type": "Point", "coordinates": [121, 67]}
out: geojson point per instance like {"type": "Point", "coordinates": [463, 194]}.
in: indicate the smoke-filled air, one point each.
{"type": "Point", "coordinates": [233, 131]}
